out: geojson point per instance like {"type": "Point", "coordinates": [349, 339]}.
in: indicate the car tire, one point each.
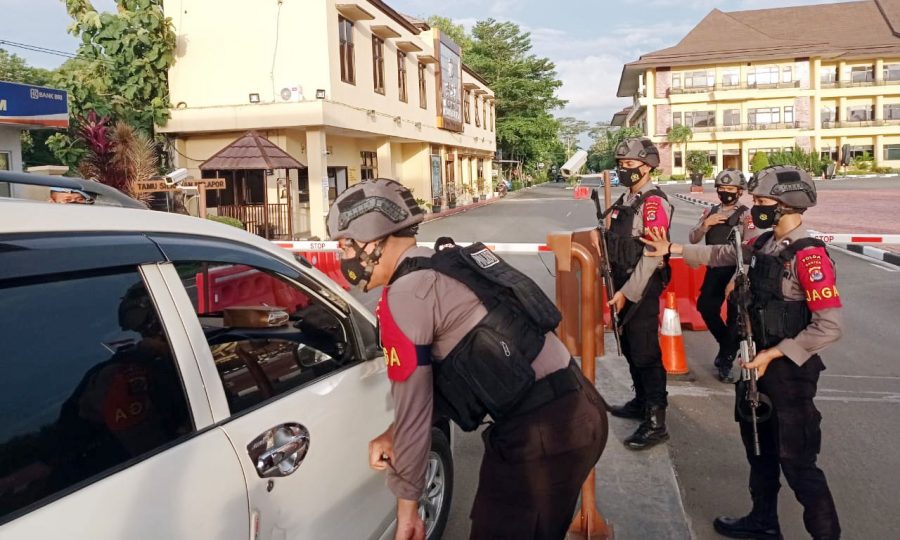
{"type": "Point", "coordinates": [434, 507]}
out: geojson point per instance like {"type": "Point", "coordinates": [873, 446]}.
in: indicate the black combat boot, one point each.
{"type": "Point", "coordinates": [633, 409]}
{"type": "Point", "coordinates": [761, 523]}
{"type": "Point", "coordinates": [652, 430]}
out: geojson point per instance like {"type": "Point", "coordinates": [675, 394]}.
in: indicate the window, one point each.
{"type": "Point", "coordinates": [676, 80]}
{"type": "Point", "coordinates": [484, 108]}
{"type": "Point", "coordinates": [477, 113]}
{"type": "Point", "coordinates": [467, 104]}
{"type": "Point", "coordinates": [732, 77]}
{"type": "Point", "coordinates": [768, 115]}
{"type": "Point", "coordinates": [862, 113]}
{"type": "Point", "coordinates": [712, 158]}
{"type": "Point", "coordinates": [892, 152]}
{"type": "Point", "coordinates": [369, 168]}
{"type": "Point", "coordinates": [493, 116]}
{"type": "Point", "coordinates": [699, 79]}
{"type": "Point", "coordinates": [861, 151]}
{"type": "Point", "coordinates": [260, 357]}
{"type": "Point", "coordinates": [102, 390]}
{"type": "Point", "coordinates": [892, 111]}
{"type": "Point", "coordinates": [678, 161]}
{"type": "Point", "coordinates": [696, 119]}
{"type": "Point", "coordinates": [378, 64]}
{"type": "Point", "coordinates": [829, 114]}
{"type": "Point", "coordinates": [732, 117]}
{"type": "Point", "coordinates": [829, 154]}
{"type": "Point", "coordinates": [676, 119]}
{"type": "Point", "coordinates": [788, 115]}
{"type": "Point", "coordinates": [829, 74]}
{"type": "Point", "coordinates": [891, 72]}
{"type": "Point", "coordinates": [762, 76]}
{"type": "Point", "coordinates": [787, 74]}
{"type": "Point", "coordinates": [423, 99]}
{"type": "Point", "coordinates": [401, 76]}
{"type": "Point", "coordinates": [862, 74]}
{"type": "Point", "coordinates": [348, 68]}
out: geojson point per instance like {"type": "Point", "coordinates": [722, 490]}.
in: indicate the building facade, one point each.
{"type": "Point", "coordinates": [821, 78]}
{"type": "Point", "coordinates": [350, 90]}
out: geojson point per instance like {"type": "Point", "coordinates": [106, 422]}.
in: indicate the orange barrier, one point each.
{"type": "Point", "coordinates": [582, 192]}
{"type": "Point", "coordinates": [685, 284]}
{"type": "Point", "coordinates": [670, 339]}
{"type": "Point", "coordinates": [239, 285]}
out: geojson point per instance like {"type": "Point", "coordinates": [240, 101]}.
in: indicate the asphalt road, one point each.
{"type": "Point", "coordinates": [859, 394]}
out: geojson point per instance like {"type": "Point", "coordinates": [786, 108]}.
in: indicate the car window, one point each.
{"type": "Point", "coordinates": [89, 382]}
{"type": "Point", "coordinates": [267, 334]}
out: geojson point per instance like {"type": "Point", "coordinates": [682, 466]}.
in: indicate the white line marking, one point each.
{"type": "Point", "coordinates": [886, 269]}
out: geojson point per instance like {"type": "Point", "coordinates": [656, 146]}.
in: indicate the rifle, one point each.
{"type": "Point", "coordinates": [606, 271]}
{"type": "Point", "coordinates": [752, 406]}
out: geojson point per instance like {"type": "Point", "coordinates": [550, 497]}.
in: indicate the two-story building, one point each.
{"type": "Point", "coordinates": [344, 91]}
{"type": "Point", "coordinates": [819, 77]}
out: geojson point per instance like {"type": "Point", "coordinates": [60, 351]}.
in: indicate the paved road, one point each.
{"type": "Point", "coordinates": [859, 393]}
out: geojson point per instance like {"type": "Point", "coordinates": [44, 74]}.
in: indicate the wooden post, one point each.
{"type": "Point", "coordinates": [201, 202]}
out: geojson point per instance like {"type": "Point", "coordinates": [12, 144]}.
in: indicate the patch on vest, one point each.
{"type": "Point", "coordinates": [485, 258]}
{"type": "Point", "coordinates": [816, 275]}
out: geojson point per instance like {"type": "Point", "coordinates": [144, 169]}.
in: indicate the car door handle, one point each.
{"type": "Point", "coordinates": [279, 451]}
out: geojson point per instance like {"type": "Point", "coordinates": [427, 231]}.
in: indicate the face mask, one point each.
{"type": "Point", "coordinates": [764, 217]}
{"type": "Point", "coordinates": [629, 177]}
{"type": "Point", "coordinates": [355, 272]}
{"type": "Point", "coordinates": [727, 197]}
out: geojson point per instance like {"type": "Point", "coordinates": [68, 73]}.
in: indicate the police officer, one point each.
{"type": "Point", "coordinates": [715, 226]}
{"type": "Point", "coordinates": [465, 335]}
{"type": "Point", "coordinates": [639, 280]}
{"type": "Point", "coordinates": [795, 314]}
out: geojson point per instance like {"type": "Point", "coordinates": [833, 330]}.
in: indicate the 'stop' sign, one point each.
{"type": "Point", "coordinates": [22, 104]}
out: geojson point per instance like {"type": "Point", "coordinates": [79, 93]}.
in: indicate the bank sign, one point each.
{"type": "Point", "coordinates": [26, 105]}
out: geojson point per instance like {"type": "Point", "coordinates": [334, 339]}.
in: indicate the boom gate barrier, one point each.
{"type": "Point", "coordinates": [579, 298]}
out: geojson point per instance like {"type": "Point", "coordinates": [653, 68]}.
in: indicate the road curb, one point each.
{"type": "Point", "coordinates": [693, 200]}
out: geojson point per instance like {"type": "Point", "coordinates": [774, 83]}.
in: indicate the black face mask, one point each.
{"type": "Point", "coordinates": [727, 197]}
{"type": "Point", "coordinates": [354, 271]}
{"type": "Point", "coordinates": [629, 177]}
{"type": "Point", "coordinates": [764, 217]}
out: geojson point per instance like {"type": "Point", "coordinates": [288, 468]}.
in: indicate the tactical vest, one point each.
{"type": "Point", "coordinates": [489, 371]}
{"type": "Point", "coordinates": [625, 249]}
{"type": "Point", "coordinates": [718, 234]}
{"type": "Point", "coordinates": [773, 317]}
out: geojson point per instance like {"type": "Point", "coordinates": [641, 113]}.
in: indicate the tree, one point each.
{"type": "Point", "coordinates": [569, 131]}
{"type": "Point", "coordinates": [456, 32]}
{"type": "Point", "coordinates": [602, 153]}
{"type": "Point", "coordinates": [118, 157]}
{"type": "Point", "coordinates": [680, 135]}
{"type": "Point", "coordinates": [14, 68]}
{"type": "Point", "coordinates": [759, 162]}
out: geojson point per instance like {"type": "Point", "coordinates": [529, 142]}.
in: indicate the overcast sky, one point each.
{"type": "Point", "coordinates": [588, 40]}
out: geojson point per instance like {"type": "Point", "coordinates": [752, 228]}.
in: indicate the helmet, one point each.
{"type": "Point", "coordinates": [641, 149]}
{"type": "Point", "coordinates": [731, 177]}
{"type": "Point", "coordinates": [373, 209]}
{"type": "Point", "coordinates": [787, 184]}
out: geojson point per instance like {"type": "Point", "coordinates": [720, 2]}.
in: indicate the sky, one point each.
{"type": "Point", "coordinates": [588, 40]}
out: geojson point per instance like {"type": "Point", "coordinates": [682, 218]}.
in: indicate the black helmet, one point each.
{"type": "Point", "coordinates": [731, 177]}
{"type": "Point", "coordinates": [640, 149]}
{"type": "Point", "coordinates": [787, 184]}
{"type": "Point", "coordinates": [373, 209]}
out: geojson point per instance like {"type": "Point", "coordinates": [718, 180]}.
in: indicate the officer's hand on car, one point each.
{"type": "Point", "coordinates": [762, 360]}
{"type": "Point", "coordinates": [712, 220]}
{"type": "Point", "coordinates": [381, 450]}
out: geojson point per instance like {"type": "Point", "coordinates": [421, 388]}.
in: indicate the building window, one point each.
{"type": "Point", "coordinates": [467, 104]}
{"type": "Point", "coordinates": [401, 75]}
{"type": "Point", "coordinates": [423, 99]}
{"type": "Point", "coordinates": [378, 63]}
{"type": "Point", "coordinates": [829, 114]}
{"type": "Point", "coordinates": [862, 113]}
{"type": "Point", "coordinates": [676, 119]}
{"type": "Point", "coordinates": [348, 70]}
{"type": "Point", "coordinates": [732, 117]}
{"type": "Point", "coordinates": [828, 74]}
{"type": "Point", "coordinates": [862, 74]}
{"type": "Point", "coordinates": [891, 72]}
{"type": "Point", "coordinates": [676, 80]}
{"type": "Point", "coordinates": [762, 76]}
{"type": "Point", "coordinates": [493, 116]}
{"type": "Point", "coordinates": [699, 79]}
{"type": "Point", "coordinates": [732, 77]}
{"type": "Point", "coordinates": [788, 115]}
{"type": "Point", "coordinates": [713, 159]}
{"type": "Point", "coordinates": [369, 167]}
{"type": "Point", "coordinates": [861, 151]}
{"type": "Point", "coordinates": [477, 115]}
{"type": "Point", "coordinates": [828, 154]}
{"type": "Point", "coordinates": [891, 112]}
{"type": "Point", "coordinates": [787, 74]}
{"type": "Point", "coordinates": [697, 119]}
{"type": "Point", "coordinates": [768, 115]}
{"type": "Point", "coordinates": [484, 108]}
{"type": "Point", "coordinates": [892, 152]}
{"type": "Point", "coordinates": [678, 161]}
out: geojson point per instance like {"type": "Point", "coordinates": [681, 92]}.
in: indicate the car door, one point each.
{"type": "Point", "coordinates": [104, 418]}
{"type": "Point", "coordinates": [298, 398]}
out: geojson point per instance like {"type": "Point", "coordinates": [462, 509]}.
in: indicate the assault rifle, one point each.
{"type": "Point", "coordinates": [752, 406]}
{"type": "Point", "coordinates": [606, 271]}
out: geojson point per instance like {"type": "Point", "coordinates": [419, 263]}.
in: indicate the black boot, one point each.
{"type": "Point", "coordinates": [652, 430]}
{"type": "Point", "coordinates": [761, 523]}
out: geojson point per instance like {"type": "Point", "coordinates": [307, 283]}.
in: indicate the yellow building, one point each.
{"type": "Point", "coordinates": [349, 90]}
{"type": "Point", "coordinates": [818, 77]}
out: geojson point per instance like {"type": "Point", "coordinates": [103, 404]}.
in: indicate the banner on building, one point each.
{"type": "Point", "coordinates": [23, 104]}
{"type": "Point", "coordinates": [449, 77]}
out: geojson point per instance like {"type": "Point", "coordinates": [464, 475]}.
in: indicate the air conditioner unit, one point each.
{"type": "Point", "coordinates": [290, 92]}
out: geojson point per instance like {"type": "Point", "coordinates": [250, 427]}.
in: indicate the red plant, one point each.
{"type": "Point", "coordinates": [100, 163]}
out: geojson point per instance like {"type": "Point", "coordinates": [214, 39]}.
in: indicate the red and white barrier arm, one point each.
{"type": "Point", "coordinates": [493, 246]}
{"type": "Point", "coordinates": [856, 238]}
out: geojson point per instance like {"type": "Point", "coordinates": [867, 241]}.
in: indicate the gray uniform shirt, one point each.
{"type": "Point", "coordinates": [826, 325]}
{"type": "Point", "coordinates": [433, 309]}
{"type": "Point", "coordinates": [648, 215]}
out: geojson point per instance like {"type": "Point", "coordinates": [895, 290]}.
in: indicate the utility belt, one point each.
{"type": "Point", "coordinates": [553, 386]}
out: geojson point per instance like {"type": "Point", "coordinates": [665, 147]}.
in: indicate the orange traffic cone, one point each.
{"type": "Point", "coordinates": [670, 339]}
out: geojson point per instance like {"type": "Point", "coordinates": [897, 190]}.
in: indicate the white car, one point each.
{"type": "Point", "coordinates": [150, 391]}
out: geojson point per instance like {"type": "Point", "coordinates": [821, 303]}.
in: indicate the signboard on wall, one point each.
{"type": "Point", "coordinates": [436, 187]}
{"type": "Point", "coordinates": [23, 104]}
{"type": "Point", "coordinates": [152, 186]}
{"type": "Point", "coordinates": [449, 83]}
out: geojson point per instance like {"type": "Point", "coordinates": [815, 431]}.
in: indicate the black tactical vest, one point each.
{"type": "Point", "coordinates": [489, 370]}
{"type": "Point", "coordinates": [773, 317]}
{"type": "Point", "coordinates": [718, 234]}
{"type": "Point", "coordinates": [625, 249]}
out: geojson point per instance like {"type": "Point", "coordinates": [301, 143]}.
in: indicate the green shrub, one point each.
{"type": "Point", "coordinates": [227, 221]}
{"type": "Point", "coordinates": [882, 170]}
{"type": "Point", "coordinates": [759, 162]}
{"type": "Point", "coordinates": [857, 172]}
{"type": "Point", "coordinates": [678, 177]}
{"type": "Point", "coordinates": [516, 185]}
{"type": "Point", "coordinates": [698, 163]}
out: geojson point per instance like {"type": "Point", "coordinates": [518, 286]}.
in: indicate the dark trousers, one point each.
{"type": "Point", "coordinates": [534, 465]}
{"type": "Point", "coordinates": [640, 344]}
{"type": "Point", "coordinates": [790, 441]}
{"type": "Point", "coordinates": [709, 304]}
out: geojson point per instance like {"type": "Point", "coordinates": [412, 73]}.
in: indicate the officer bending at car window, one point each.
{"type": "Point", "coordinates": [639, 281]}
{"type": "Point", "coordinates": [715, 227]}
{"type": "Point", "coordinates": [465, 335]}
{"type": "Point", "coordinates": [795, 312]}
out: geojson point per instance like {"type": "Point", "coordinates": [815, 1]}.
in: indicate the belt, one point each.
{"type": "Point", "coordinates": [552, 386]}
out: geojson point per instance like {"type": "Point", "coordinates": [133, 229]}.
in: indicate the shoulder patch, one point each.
{"type": "Point", "coordinates": [401, 355]}
{"type": "Point", "coordinates": [654, 212]}
{"type": "Point", "coordinates": [816, 274]}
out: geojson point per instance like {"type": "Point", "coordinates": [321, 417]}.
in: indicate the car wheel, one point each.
{"type": "Point", "coordinates": [434, 506]}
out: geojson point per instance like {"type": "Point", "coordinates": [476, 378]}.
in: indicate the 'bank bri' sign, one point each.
{"type": "Point", "coordinates": [26, 105]}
